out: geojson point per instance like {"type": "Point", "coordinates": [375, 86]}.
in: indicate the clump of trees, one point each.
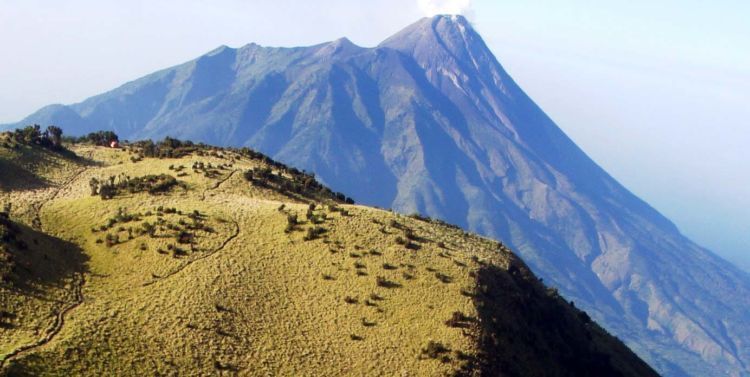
{"type": "Point", "coordinates": [50, 138]}
{"type": "Point", "coordinates": [102, 138]}
{"type": "Point", "coordinates": [125, 226]}
{"type": "Point", "coordinates": [114, 185]}
{"type": "Point", "coordinates": [167, 148]}
{"type": "Point", "coordinates": [290, 181]}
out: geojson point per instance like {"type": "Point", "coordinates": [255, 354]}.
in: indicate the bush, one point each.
{"type": "Point", "coordinates": [184, 237]}
{"type": "Point", "coordinates": [458, 319]}
{"type": "Point", "coordinates": [443, 278]}
{"type": "Point", "coordinates": [434, 350]}
{"type": "Point", "coordinates": [385, 283]}
{"type": "Point", "coordinates": [51, 138]}
{"type": "Point", "coordinates": [412, 246]}
{"type": "Point", "coordinates": [291, 223]}
{"type": "Point", "coordinates": [314, 233]}
{"type": "Point", "coordinates": [153, 184]}
{"type": "Point", "coordinates": [111, 240]}
{"type": "Point", "coordinates": [103, 138]}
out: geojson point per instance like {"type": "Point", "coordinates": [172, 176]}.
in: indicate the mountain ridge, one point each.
{"type": "Point", "coordinates": [428, 121]}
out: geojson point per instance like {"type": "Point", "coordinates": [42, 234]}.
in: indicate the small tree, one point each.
{"type": "Point", "coordinates": [107, 191]}
{"type": "Point", "coordinates": [94, 185]}
{"type": "Point", "coordinates": [55, 136]}
{"type": "Point", "coordinates": [291, 223]}
{"type": "Point", "coordinates": [148, 228]}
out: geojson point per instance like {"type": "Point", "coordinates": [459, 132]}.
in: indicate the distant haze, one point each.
{"type": "Point", "coordinates": [657, 94]}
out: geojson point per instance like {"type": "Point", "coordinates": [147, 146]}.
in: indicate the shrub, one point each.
{"type": "Point", "coordinates": [434, 349]}
{"type": "Point", "coordinates": [184, 237]}
{"type": "Point", "coordinates": [51, 138]}
{"type": "Point", "coordinates": [314, 233]}
{"type": "Point", "coordinates": [291, 223]}
{"type": "Point", "coordinates": [107, 191]}
{"type": "Point", "coordinates": [153, 184]}
{"type": "Point", "coordinates": [412, 246]}
{"type": "Point", "coordinates": [111, 240]}
{"type": "Point", "coordinates": [467, 292]}
{"type": "Point", "coordinates": [385, 283]}
{"type": "Point", "coordinates": [148, 228]}
{"type": "Point", "coordinates": [99, 138]}
{"type": "Point", "coordinates": [221, 308]}
{"type": "Point", "coordinates": [94, 185]}
{"type": "Point", "coordinates": [443, 278]}
{"type": "Point", "coordinates": [457, 319]}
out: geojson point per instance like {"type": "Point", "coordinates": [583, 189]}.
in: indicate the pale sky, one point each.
{"type": "Point", "coordinates": [658, 93]}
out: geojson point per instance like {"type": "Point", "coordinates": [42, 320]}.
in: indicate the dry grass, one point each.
{"type": "Point", "coordinates": [374, 293]}
{"type": "Point", "coordinates": [252, 299]}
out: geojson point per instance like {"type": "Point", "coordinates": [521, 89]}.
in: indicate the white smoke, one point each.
{"type": "Point", "coordinates": [435, 7]}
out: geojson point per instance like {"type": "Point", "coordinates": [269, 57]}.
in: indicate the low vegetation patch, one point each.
{"type": "Point", "coordinates": [293, 182]}
{"type": "Point", "coordinates": [117, 185]}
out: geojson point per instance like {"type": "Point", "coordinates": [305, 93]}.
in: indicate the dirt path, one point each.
{"type": "Point", "coordinates": [204, 256]}
{"type": "Point", "coordinates": [79, 278]}
{"type": "Point", "coordinates": [214, 251]}
{"type": "Point", "coordinates": [78, 282]}
{"type": "Point", "coordinates": [218, 184]}
{"type": "Point", "coordinates": [37, 221]}
{"type": "Point", "coordinates": [56, 327]}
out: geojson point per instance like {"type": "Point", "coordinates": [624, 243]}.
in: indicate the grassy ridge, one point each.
{"type": "Point", "coordinates": [225, 275]}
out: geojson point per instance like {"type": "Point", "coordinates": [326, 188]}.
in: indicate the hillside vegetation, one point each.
{"type": "Point", "coordinates": [182, 259]}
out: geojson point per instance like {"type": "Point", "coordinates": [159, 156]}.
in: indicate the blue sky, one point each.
{"type": "Point", "coordinates": [657, 92]}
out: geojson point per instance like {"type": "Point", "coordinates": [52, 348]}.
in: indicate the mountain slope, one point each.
{"type": "Point", "coordinates": [429, 122]}
{"type": "Point", "coordinates": [210, 276]}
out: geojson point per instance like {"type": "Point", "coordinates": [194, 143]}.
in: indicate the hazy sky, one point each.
{"type": "Point", "coordinates": [657, 92]}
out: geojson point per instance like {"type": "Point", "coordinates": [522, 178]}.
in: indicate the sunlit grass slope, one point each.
{"type": "Point", "coordinates": [216, 275]}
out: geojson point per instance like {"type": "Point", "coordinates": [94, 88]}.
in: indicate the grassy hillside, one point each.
{"type": "Point", "coordinates": [174, 260]}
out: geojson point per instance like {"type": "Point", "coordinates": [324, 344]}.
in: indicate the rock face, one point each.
{"type": "Point", "coordinates": [429, 122]}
